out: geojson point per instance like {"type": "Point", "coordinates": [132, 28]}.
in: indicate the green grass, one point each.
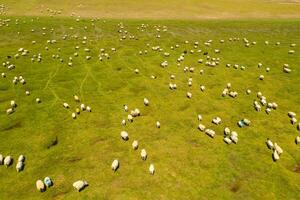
{"type": "Point", "coordinates": [159, 9]}
{"type": "Point", "coordinates": [189, 164]}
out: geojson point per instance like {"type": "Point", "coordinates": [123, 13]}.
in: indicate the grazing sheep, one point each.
{"type": "Point", "coordinates": [291, 114]}
{"type": "Point", "coordinates": [10, 111]}
{"type": "Point", "coordinates": [217, 120]}
{"type": "Point", "coordinates": [199, 117]}
{"type": "Point", "coordinates": [157, 124]}
{"type": "Point", "coordinates": [80, 185]}
{"type": "Point", "coordinates": [13, 104]}
{"type": "Point", "coordinates": [135, 112]}
{"type": "Point", "coordinates": [261, 77]}
{"type": "Point", "coordinates": [82, 107]}
{"type": "Point", "coordinates": [268, 110]}
{"type": "Point", "coordinates": [48, 182]}
{"type": "Point", "coordinates": [19, 166]}
{"type": "Point", "coordinates": [115, 165]}
{"type": "Point", "coordinates": [7, 161]}
{"type": "Point", "coordinates": [298, 127]}
{"type": "Point", "coordinates": [76, 98]}
{"type": "Point", "coordinates": [227, 140]}
{"type": "Point", "coordinates": [278, 148]}
{"type": "Point", "coordinates": [234, 137]}
{"type": "Point", "coordinates": [248, 91]}
{"type": "Point", "coordinates": [126, 108]}
{"type": "Point", "coordinates": [189, 95]}
{"type": "Point", "coordinates": [143, 154]}
{"type": "Point", "coordinates": [226, 131]}
{"type": "Point", "coordinates": [89, 109]}
{"type": "Point", "coordinates": [269, 144]}
{"type": "Point", "coordinates": [66, 105]}
{"type": "Point", "coordinates": [38, 100]}
{"type": "Point", "coordinates": [21, 158]}
{"type": "Point", "coordinates": [137, 71]}
{"type": "Point", "coordinates": [210, 133]}
{"type": "Point", "coordinates": [130, 118]}
{"type": "Point", "coordinates": [297, 140]}
{"type": "Point", "coordinates": [202, 88]}
{"type": "Point", "coordinates": [27, 93]}
{"type": "Point", "coordinates": [201, 127]}
{"type": "Point", "coordinates": [74, 115]}
{"type": "Point", "coordinates": [40, 186]}
{"type": "Point", "coordinates": [275, 155]}
{"type": "Point", "coordinates": [151, 169]}
{"type": "Point", "coordinates": [124, 135]}
{"type": "Point", "coordinates": [123, 122]}
{"type": "Point", "coordinates": [146, 102]}
{"type": "Point", "coordinates": [135, 145]}
{"type": "Point", "coordinates": [293, 120]}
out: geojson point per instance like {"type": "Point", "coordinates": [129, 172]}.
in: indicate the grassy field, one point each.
{"type": "Point", "coordinates": [159, 9]}
{"type": "Point", "coordinates": [189, 164]}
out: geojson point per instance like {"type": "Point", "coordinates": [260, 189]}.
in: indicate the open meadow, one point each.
{"type": "Point", "coordinates": [186, 79]}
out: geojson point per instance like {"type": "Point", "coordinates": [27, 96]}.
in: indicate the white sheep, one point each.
{"type": "Point", "coordinates": [40, 186]}
{"type": "Point", "coordinates": [157, 124]}
{"type": "Point", "coordinates": [199, 117]}
{"type": "Point", "coordinates": [10, 111]}
{"type": "Point", "coordinates": [189, 95]}
{"type": "Point", "coordinates": [66, 105]}
{"type": "Point", "coordinates": [74, 115]}
{"type": "Point", "coordinates": [143, 154]}
{"type": "Point", "coordinates": [226, 131]}
{"type": "Point", "coordinates": [80, 185]}
{"type": "Point", "coordinates": [76, 98]}
{"type": "Point", "coordinates": [7, 161]}
{"type": "Point", "coordinates": [13, 104]}
{"type": "Point", "coordinates": [27, 92]}
{"type": "Point", "coordinates": [19, 166]}
{"type": "Point", "coordinates": [135, 145]}
{"type": "Point", "coordinates": [234, 137]}
{"type": "Point", "coordinates": [123, 122]}
{"type": "Point", "coordinates": [297, 140]}
{"type": "Point", "coordinates": [130, 118]}
{"type": "Point", "coordinates": [38, 100]}
{"type": "Point", "coordinates": [227, 140]}
{"type": "Point", "coordinates": [126, 108]}
{"type": "Point", "coordinates": [217, 120]}
{"type": "Point", "coordinates": [124, 135]}
{"type": "Point", "coordinates": [275, 155]}
{"type": "Point", "coordinates": [146, 102]}
{"type": "Point", "coordinates": [291, 114]}
{"type": "Point", "coordinates": [21, 158]}
{"type": "Point", "coordinates": [210, 132]}
{"type": "Point", "coordinates": [115, 165]}
{"type": "Point", "coordinates": [248, 91]}
{"type": "Point", "coordinates": [82, 107]}
{"type": "Point", "coordinates": [202, 88]}
{"type": "Point", "coordinates": [1, 159]}
{"type": "Point", "coordinates": [89, 109]}
{"type": "Point", "coordinates": [261, 77]}
{"type": "Point", "coordinates": [293, 120]}
{"type": "Point", "coordinates": [201, 127]}
{"type": "Point", "coordinates": [298, 127]}
{"type": "Point", "coordinates": [278, 148]}
{"type": "Point", "coordinates": [269, 143]}
{"type": "Point", "coordinates": [151, 169]}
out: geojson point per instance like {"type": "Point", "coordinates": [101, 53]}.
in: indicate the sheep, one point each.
{"type": "Point", "coordinates": [3, 75]}
{"type": "Point", "coordinates": [126, 108]}
{"type": "Point", "coordinates": [74, 115]}
{"type": "Point", "coordinates": [157, 124]}
{"type": "Point", "coordinates": [77, 110]}
{"type": "Point", "coordinates": [136, 71]}
{"type": "Point", "coordinates": [80, 185]}
{"type": "Point", "coordinates": [123, 122]}
{"type": "Point", "coordinates": [227, 140]}
{"type": "Point", "coordinates": [297, 140]}
{"type": "Point", "coordinates": [19, 166]}
{"type": "Point", "coordinates": [210, 133]}
{"type": "Point", "coordinates": [10, 111]}
{"type": "Point", "coordinates": [146, 102]}
{"type": "Point", "coordinates": [199, 117]}
{"type": "Point", "coordinates": [201, 127]}
{"type": "Point", "coordinates": [115, 165]}
{"type": "Point", "coordinates": [38, 100]}
{"type": "Point", "coordinates": [21, 158]}
{"type": "Point", "coordinates": [135, 112]}
{"type": "Point", "coordinates": [89, 109]}
{"type": "Point", "coordinates": [217, 120]}
{"type": "Point", "coordinates": [124, 135]}
{"type": "Point", "coordinates": [291, 114]}
{"type": "Point", "coordinates": [7, 161]}
{"type": "Point", "coordinates": [261, 77]}
{"type": "Point", "coordinates": [202, 88]}
{"type": "Point", "coordinates": [278, 148]}
{"type": "Point", "coordinates": [76, 98]}
{"type": "Point", "coordinates": [130, 118]}
{"type": "Point", "coordinates": [298, 127]}
{"type": "Point", "coordinates": [293, 120]}
{"type": "Point", "coordinates": [1, 159]}
{"type": "Point", "coordinates": [143, 154]}
{"type": "Point", "coordinates": [269, 143]}
{"type": "Point", "coordinates": [48, 182]}
{"type": "Point", "coordinates": [248, 91]}
{"type": "Point", "coordinates": [233, 94]}
{"type": "Point", "coordinates": [275, 155]}
{"type": "Point", "coordinates": [82, 107]}
{"type": "Point", "coordinates": [189, 95]}
{"type": "Point", "coordinates": [40, 186]}
{"type": "Point", "coordinates": [234, 137]}
{"type": "Point", "coordinates": [13, 104]}
{"type": "Point", "coordinates": [135, 145]}
{"type": "Point", "coordinates": [66, 105]}
{"type": "Point", "coordinates": [151, 169]}
{"type": "Point", "coordinates": [27, 92]}
{"type": "Point", "coordinates": [226, 131]}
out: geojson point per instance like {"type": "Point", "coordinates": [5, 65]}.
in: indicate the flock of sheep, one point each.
{"type": "Point", "coordinates": [230, 136]}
